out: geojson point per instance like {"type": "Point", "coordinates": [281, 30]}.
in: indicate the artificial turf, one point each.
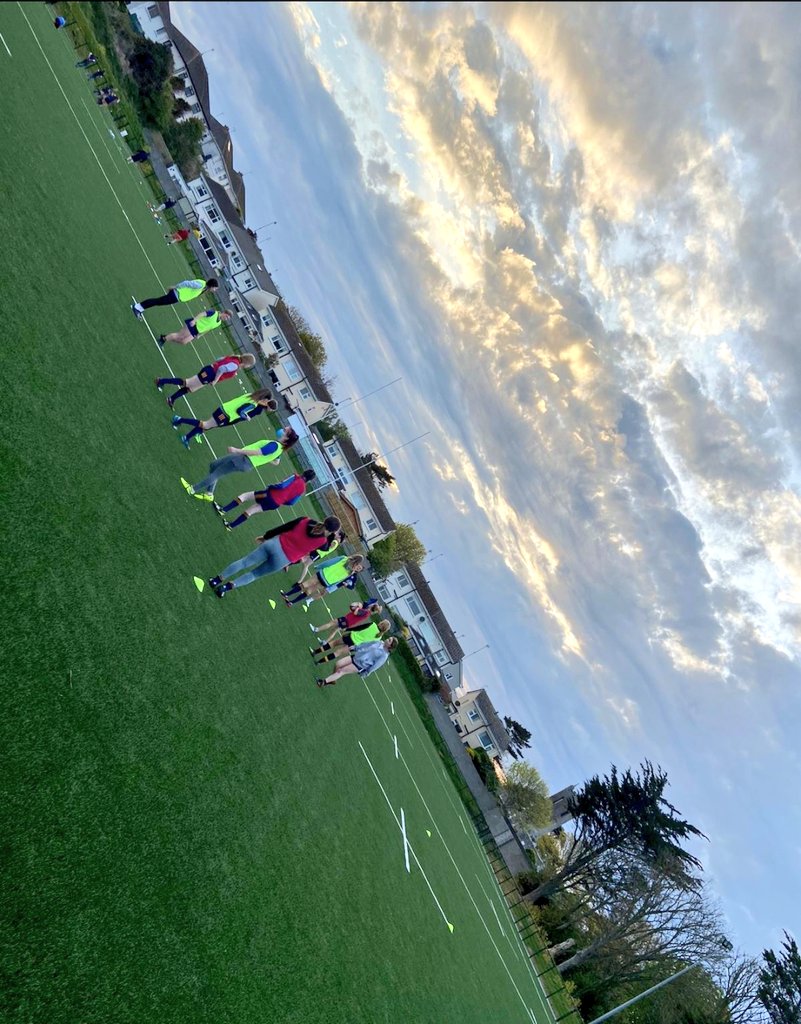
{"type": "Point", "coordinates": [191, 830]}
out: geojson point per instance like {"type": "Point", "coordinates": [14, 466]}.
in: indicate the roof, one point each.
{"type": "Point", "coordinates": [193, 59]}
{"type": "Point", "coordinates": [492, 718]}
{"type": "Point", "coordinates": [367, 484]}
{"type": "Point", "coordinates": [432, 606]}
{"type": "Point", "coordinates": [244, 238]}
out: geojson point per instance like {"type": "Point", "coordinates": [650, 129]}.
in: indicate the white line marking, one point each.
{"type": "Point", "coordinates": [410, 847]}
{"type": "Point", "coordinates": [395, 740]}
{"type": "Point", "coordinates": [392, 707]}
{"type": "Point", "coordinates": [6, 45]}
{"type": "Point", "coordinates": [405, 842]}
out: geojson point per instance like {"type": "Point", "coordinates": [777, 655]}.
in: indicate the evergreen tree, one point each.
{"type": "Point", "coordinates": [780, 983]}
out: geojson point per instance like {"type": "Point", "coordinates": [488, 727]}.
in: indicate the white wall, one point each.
{"type": "Point", "coordinates": [372, 529]}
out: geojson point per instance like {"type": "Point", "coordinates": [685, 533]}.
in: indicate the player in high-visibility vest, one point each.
{"type": "Point", "coordinates": [342, 648]}
{"type": "Point", "coordinates": [363, 658]}
{"type": "Point", "coordinates": [220, 370]}
{"type": "Point", "coordinates": [357, 615]}
{"type": "Point", "coordinates": [235, 410]}
{"type": "Point", "coordinates": [333, 574]}
{"type": "Point", "coordinates": [241, 460]}
{"type": "Point", "coordinates": [194, 326]}
{"type": "Point", "coordinates": [184, 291]}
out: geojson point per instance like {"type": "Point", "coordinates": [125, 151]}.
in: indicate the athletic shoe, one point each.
{"type": "Point", "coordinates": [215, 582]}
{"type": "Point", "coordinates": [159, 385]}
{"type": "Point", "coordinates": [217, 508]}
{"type": "Point", "coordinates": [175, 421]}
{"type": "Point", "coordinates": [161, 340]}
{"type": "Point", "coordinates": [185, 441]}
{"type": "Point", "coordinates": [202, 495]}
{"type": "Point", "coordinates": [198, 439]}
{"type": "Point", "coordinates": [170, 400]}
{"type": "Point", "coordinates": [324, 682]}
{"type": "Point", "coordinates": [187, 486]}
{"type": "Point", "coordinates": [223, 590]}
{"type": "Point", "coordinates": [312, 628]}
{"type": "Point", "coordinates": [137, 311]}
{"type": "Point", "coordinates": [227, 526]}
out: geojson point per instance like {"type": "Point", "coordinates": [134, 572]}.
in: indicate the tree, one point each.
{"type": "Point", "coordinates": [519, 737]}
{"type": "Point", "coordinates": [624, 810]}
{"type": "Point", "coordinates": [151, 67]}
{"type": "Point", "coordinates": [332, 427]}
{"type": "Point", "coordinates": [183, 139]}
{"type": "Point", "coordinates": [180, 106]}
{"type": "Point", "coordinates": [780, 983]}
{"type": "Point", "coordinates": [315, 347]}
{"type": "Point", "coordinates": [381, 474]}
{"type": "Point", "coordinates": [393, 552]}
{"type": "Point", "coordinates": [525, 796]}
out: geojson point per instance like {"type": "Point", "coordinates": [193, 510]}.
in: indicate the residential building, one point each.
{"type": "Point", "coordinates": [409, 594]}
{"type": "Point", "coordinates": [217, 153]}
{"type": "Point", "coordinates": [478, 723]}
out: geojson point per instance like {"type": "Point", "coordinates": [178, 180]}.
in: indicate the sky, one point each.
{"type": "Point", "coordinates": [575, 231]}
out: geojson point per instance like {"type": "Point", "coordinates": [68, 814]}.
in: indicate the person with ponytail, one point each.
{"type": "Point", "coordinates": [220, 370]}
{"type": "Point", "coordinates": [331, 575]}
{"type": "Point", "coordinates": [241, 460]}
{"type": "Point", "coordinates": [362, 659]}
{"type": "Point", "coordinates": [235, 410]}
{"type": "Point", "coordinates": [280, 547]}
{"type": "Point", "coordinates": [343, 647]}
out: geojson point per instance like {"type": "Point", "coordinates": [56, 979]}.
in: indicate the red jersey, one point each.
{"type": "Point", "coordinates": [291, 492]}
{"type": "Point", "coordinates": [226, 361]}
{"type": "Point", "coordinates": [297, 544]}
{"type": "Point", "coordinates": [354, 619]}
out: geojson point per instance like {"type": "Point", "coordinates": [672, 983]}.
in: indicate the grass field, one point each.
{"type": "Point", "coordinates": [192, 831]}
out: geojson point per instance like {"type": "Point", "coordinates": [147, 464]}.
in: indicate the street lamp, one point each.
{"type": "Point", "coordinates": [478, 650]}
{"type": "Point", "coordinates": [257, 230]}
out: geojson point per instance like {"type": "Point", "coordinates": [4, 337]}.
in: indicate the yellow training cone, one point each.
{"type": "Point", "coordinates": [198, 582]}
{"type": "Point", "coordinates": [428, 833]}
{"type": "Point", "coordinates": [272, 604]}
{"type": "Point", "coordinates": [450, 927]}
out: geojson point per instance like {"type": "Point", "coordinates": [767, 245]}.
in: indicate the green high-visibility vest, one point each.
{"type": "Point", "coordinates": [335, 573]}
{"type": "Point", "coordinates": [262, 460]}
{"type": "Point", "coordinates": [191, 290]}
{"type": "Point", "coordinates": [366, 634]}
{"type": "Point", "coordinates": [233, 405]}
{"type": "Point", "coordinates": [208, 323]}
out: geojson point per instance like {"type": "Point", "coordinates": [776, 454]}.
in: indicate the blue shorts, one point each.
{"type": "Point", "coordinates": [191, 328]}
{"type": "Point", "coordinates": [264, 500]}
{"type": "Point", "coordinates": [206, 375]}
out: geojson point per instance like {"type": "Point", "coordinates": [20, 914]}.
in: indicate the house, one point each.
{"type": "Point", "coordinates": [242, 258]}
{"type": "Point", "coordinates": [478, 723]}
{"type": "Point", "coordinates": [358, 486]}
{"type": "Point", "coordinates": [409, 594]}
{"type": "Point", "coordinates": [153, 20]}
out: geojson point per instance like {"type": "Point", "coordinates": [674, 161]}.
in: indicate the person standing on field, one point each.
{"type": "Point", "coordinates": [241, 460]}
{"type": "Point", "coordinates": [184, 291]}
{"type": "Point", "coordinates": [221, 369]}
{"type": "Point", "coordinates": [194, 326]}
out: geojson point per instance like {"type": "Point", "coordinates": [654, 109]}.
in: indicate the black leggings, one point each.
{"type": "Point", "coordinates": [164, 300]}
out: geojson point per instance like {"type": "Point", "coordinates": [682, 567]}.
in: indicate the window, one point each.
{"type": "Point", "coordinates": [403, 580]}
{"type": "Point", "coordinates": [448, 676]}
{"type": "Point", "coordinates": [153, 11]}
{"type": "Point", "coordinates": [343, 474]}
{"type": "Point", "coordinates": [250, 283]}
{"type": "Point", "coordinates": [442, 657]}
{"type": "Point", "coordinates": [385, 594]}
{"type": "Point", "coordinates": [292, 370]}
{"type": "Point", "coordinates": [195, 108]}
{"type": "Point", "coordinates": [278, 343]}
{"type": "Point", "coordinates": [370, 524]}
{"type": "Point", "coordinates": [305, 394]}
{"type": "Point", "coordinates": [473, 715]}
{"type": "Point", "coordinates": [237, 262]}
{"type": "Point", "coordinates": [414, 606]}
{"type": "Point", "coordinates": [201, 191]}
{"type": "Point", "coordinates": [485, 740]}
{"type": "Point", "coordinates": [266, 319]}
{"type": "Point", "coordinates": [226, 241]}
{"type": "Point", "coordinates": [357, 500]}
{"type": "Point", "coordinates": [188, 90]}
{"type": "Point", "coordinates": [161, 33]}
{"type": "Point", "coordinates": [211, 211]}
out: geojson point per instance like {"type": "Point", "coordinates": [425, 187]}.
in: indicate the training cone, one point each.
{"type": "Point", "coordinates": [428, 833]}
{"type": "Point", "coordinates": [199, 582]}
{"type": "Point", "coordinates": [305, 608]}
{"type": "Point", "coordinates": [450, 927]}
{"type": "Point", "coordinates": [272, 604]}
